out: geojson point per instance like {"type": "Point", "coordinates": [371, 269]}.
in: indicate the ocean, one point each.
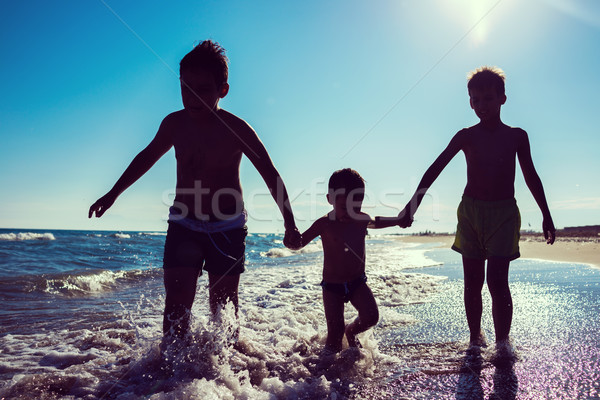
{"type": "Point", "coordinates": [81, 318]}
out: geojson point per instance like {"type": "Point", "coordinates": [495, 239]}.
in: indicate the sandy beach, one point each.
{"type": "Point", "coordinates": [584, 250]}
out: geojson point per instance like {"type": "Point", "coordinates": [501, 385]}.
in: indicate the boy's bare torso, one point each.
{"type": "Point", "coordinates": [491, 160]}
{"type": "Point", "coordinates": [208, 153]}
{"type": "Point", "coordinates": [343, 249]}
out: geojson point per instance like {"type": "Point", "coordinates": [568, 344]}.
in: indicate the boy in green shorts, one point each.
{"type": "Point", "coordinates": [488, 217]}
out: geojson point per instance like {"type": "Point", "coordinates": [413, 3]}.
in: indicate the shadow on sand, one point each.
{"type": "Point", "coordinates": [469, 386]}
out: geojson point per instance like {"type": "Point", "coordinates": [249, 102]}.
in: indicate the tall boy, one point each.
{"type": "Point", "coordinates": [207, 222]}
{"type": "Point", "coordinates": [343, 232]}
{"type": "Point", "coordinates": [488, 217]}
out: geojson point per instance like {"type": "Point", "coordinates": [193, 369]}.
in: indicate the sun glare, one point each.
{"type": "Point", "coordinates": [474, 16]}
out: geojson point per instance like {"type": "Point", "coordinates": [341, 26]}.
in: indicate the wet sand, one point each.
{"type": "Point", "coordinates": [582, 250]}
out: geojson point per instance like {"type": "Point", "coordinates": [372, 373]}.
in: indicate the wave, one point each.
{"type": "Point", "coordinates": [280, 252]}
{"type": "Point", "coordinates": [73, 284]}
{"type": "Point", "coordinates": [104, 351]}
{"type": "Point", "coordinates": [121, 235]}
{"type": "Point", "coordinates": [92, 283]}
{"type": "Point", "coordinates": [17, 237]}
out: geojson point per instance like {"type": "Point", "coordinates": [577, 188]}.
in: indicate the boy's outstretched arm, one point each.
{"type": "Point", "coordinates": [384, 222]}
{"type": "Point", "coordinates": [257, 154]}
{"type": "Point", "coordinates": [406, 215]}
{"type": "Point", "coordinates": [138, 167]}
{"type": "Point", "coordinates": [312, 232]}
{"type": "Point", "coordinates": [534, 183]}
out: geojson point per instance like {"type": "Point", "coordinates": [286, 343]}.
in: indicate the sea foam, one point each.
{"type": "Point", "coordinates": [279, 252]}
{"type": "Point", "coordinates": [90, 283]}
{"type": "Point", "coordinates": [112, 351]}
{"type": "Point", "coordinates": [26, 236]}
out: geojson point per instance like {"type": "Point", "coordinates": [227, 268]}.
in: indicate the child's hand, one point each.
{"type": "Point", "coordinates": [101, 205]}
{"type": "Point", "coordinates": [404, 218]}
{"type": "Point", "coordinates": [292, 239]}
{"type": "Point", "coordinates": [549, 230]}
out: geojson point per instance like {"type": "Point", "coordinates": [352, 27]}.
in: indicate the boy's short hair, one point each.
{"type": "Point", "coordinates": [484, 77]}
{"type": "Point", "coordinates": [347, 181]}
{"type": "Point", "coordinates": [209, 56]}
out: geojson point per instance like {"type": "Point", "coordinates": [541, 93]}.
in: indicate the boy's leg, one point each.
{"type": "Point", "coordinates": [368, 314]}
{"type": "Point", "coordinates": [225, 258]}
{"type": "Point", "coordinates": [221, 290]}
{"type": "Point", "coordinates": [474, 276]}
{"type": "Point", "coordinates": [334, 314]}
{"type": "Point", "coordinates": [502, 307]}
{"type": "Point", "coordinates": [180, 287]}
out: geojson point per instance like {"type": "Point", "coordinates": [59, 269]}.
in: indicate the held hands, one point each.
{"type": "Point", "coordinates": [405, 218]}
{"type": "Point", "coordinates": [549, 230]}
{"type": "Point", "coordinates": [101, 205]}
{"type": "Point", "coordinates": [292, 239]}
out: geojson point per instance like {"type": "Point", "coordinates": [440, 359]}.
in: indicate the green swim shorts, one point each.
{"type": "Point", "coordinates": [488, 229]}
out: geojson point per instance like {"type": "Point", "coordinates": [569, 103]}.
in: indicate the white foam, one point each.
{"type": "Point", "coordinates": [66, 359]}
{"type": "Point", "coordinates": [153, 233]}
{"type": "Point", "coordinates": [282, 332]}
{"type": "Point", "coordinates": [90, 283]}
{"type": "Point", "coordinates": [121, 235]}
{"type": "Point", "coordinates": [26, 236]}
{"type": "Point", "coordinates": [279, 252]}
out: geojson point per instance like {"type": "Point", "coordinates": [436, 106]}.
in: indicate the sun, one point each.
{"type": "Point", "coordinates": [474, 16]}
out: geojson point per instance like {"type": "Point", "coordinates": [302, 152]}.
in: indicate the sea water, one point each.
{"type": "Point", "coordinates": [81, 317]}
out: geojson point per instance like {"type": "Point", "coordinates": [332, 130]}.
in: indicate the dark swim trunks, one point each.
{"type": "Point", "coordinates": [345, 289]}
{"type": "Point", "coordinates": [219, 253]}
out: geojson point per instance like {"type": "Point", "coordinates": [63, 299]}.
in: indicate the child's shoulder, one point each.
{"type": "Point", "coordinates": [174, 116]}
{"type": "Point", "coordinates": [510, 131]}
{"type": "Point", "coordinates": [181, 124]}
{"type": "Point", "coordinates": [233, 124]}
{"type": "Point", "coordinates": [325, 219]}
{"type": "Point", "coordinates": [174, 121]}
{"type": "Point", "coordinates": [231, 118]}
{"type": "Point", "coordinates": [363, 217]}
{"type": "Point", "coordinates": [181, 116]}
{"type": "Point", "coordinates": [513, 129]}
{"type": "Point", "coordinates": [513, 134]}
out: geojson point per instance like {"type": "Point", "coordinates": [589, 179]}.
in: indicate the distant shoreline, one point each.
{"type": "Point", "coordinates": [575, 245]}
{"type": "Point", "coordinates": [575, 249]}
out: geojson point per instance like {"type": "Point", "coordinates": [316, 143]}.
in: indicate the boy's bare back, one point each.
{"type": "Point", "coordinates": [208, 153]}
{"type": "Point", "coordinates": [209, 143]}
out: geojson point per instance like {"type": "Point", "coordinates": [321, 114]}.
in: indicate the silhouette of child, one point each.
{"type": "Point", "coordinates": [488, 217]}
{"type": "Point", "coordinates": [342, 233]}
{"type": "Point", "coordinates": [207, 222]}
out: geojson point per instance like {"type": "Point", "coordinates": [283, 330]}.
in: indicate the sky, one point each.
{"type": "Point", "coordinates": [378, 86]}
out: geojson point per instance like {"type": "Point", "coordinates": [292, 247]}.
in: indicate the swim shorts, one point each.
{"type": "Point", "coordinates": [220, 253]}
{"type": "Point", "coordinates": [345, 289]}
{"type": "Point", "coordinates": [488, 229]}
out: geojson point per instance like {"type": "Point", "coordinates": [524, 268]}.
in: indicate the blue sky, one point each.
{"type": "Point", "coordinates": [378, 86]}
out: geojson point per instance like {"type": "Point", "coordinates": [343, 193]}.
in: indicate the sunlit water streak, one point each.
{"type": "Point", "coordinates": [555, 333]}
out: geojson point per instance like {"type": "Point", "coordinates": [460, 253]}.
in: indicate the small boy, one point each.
{"type": "Point", "coordinates": [488, 217]}
{"type": "Point", "coordinates": [343, 232]}
{"type": "Point", "coordinates": [207, 222]}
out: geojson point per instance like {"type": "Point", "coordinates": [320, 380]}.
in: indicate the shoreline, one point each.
{"type": "Point", "coordinates": [574, 249]}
